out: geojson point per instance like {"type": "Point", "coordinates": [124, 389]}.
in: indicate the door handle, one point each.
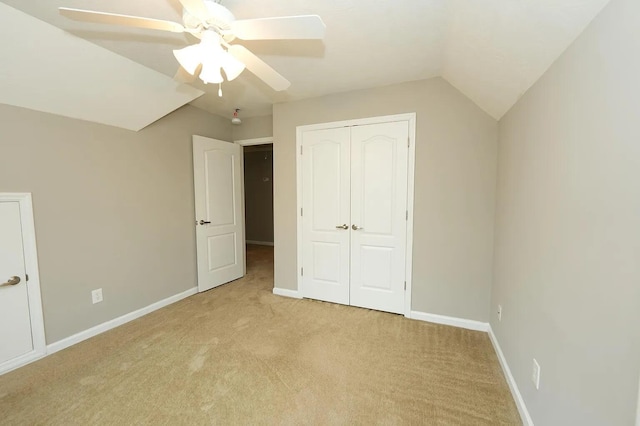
{"type": "Point", "coordinates": [12, 281]}
{"type": "Point", "coordinates": [345, 226]}
{"type": "Point", "coordinates": [204, 222]}
{"type": "Point", "coordinates": [356, 228]}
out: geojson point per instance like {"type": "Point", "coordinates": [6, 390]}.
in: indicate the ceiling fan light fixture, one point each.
{"type": "Point", "coordinates": [231, 66]}
{"type": "Point", "coordinates": [211, 72]}
{"type": "Point", "coordinates": [189, 58]}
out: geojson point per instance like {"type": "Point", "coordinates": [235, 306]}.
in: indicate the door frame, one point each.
{"type": "Point", "coordinates": [410, 118]}
{"type": "Point", "coordinates": [33, 283]}
{"type": "Point", "coordinates": [248, 142]}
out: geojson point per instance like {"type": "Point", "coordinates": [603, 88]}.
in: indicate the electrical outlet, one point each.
{"type": "Point", "coordinates": [535, 374]}
{"type": "Point", "coordinates": [499, 312]}
{"type": "Point", "coordinates": [96, 296]}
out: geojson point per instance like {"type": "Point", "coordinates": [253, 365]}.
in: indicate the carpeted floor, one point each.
{"type": "Point", "coordinates": [238, 354]}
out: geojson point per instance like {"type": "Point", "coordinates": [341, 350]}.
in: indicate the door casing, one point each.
{"type": "Point", "coordinates": [410, 118]}
{"type": "Point", "coordinates": [33, 284]}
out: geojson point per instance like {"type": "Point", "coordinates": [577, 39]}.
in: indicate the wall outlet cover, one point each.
{"type": "Point", "coordinates": [535, 374]}
{"type": "Point", "coordinates": [96, 296]}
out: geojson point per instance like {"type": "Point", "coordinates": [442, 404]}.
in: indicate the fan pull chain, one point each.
{"type": "Point", "coordinates": [220, 90]}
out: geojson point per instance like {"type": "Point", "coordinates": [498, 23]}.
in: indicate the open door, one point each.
{"type": "Point", "coordinates": [219, 217]}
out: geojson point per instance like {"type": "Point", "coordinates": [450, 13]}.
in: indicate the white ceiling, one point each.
{"type": "Point", "coordinates": [491, 50]}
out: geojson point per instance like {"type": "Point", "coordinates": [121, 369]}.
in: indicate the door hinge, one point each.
{"type": "Point", "coordinates": [302, 272]}
{"type": "Point", "coordinates": [407, 215]}
{"type": "Point", "coordinates": [26, 276]}
{"type": "Point", "coordinates": [408, 141]}
{"type": "Point", "coordinates": [300, 149]}
{"type": "Point", "coordinates": [300, 211]}
{"type": "Point", "coordinates": [405, 286]}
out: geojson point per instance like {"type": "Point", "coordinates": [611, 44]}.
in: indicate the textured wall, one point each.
{"type": "Point", "coordinates": [567, 268]}
{"type": "Point", "coordinates": [113, 209]}
{"type": "Point", "coordinates": [454, 189]}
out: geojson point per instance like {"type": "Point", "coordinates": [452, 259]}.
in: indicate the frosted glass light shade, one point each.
{"type": "Point", "coordinates": [231, 66]}
{"type": "Point", "coordinates": [211, 72]}
{"type": "Point", "coordinates": [189, 58]}
{"type": "Point", "coordinates": [210, 53]}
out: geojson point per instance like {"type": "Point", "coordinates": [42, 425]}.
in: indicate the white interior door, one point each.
{"type": "Point", "coordinates": [325, 215]}
{"type": "Point", "coordinates": [219, 216]}
{"type": "Point", "coordinates": [379, 167]}
{"type": "Point", "coordinates": [15, 321]}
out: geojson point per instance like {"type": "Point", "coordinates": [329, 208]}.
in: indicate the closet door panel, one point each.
{"type": "Point", "coordinates": [326, 208]}
{"type": "Point", "coordinates": [379, 155]}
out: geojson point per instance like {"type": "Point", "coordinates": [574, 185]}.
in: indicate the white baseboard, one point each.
{"type": "Point", "coordinates": [105, 326]}
{"type": "Point", "coordinates": [453, 321]}
{"type": "Point", "coordinates": [287, 293]}
{"type": "Point", "coordinates": [515, 392]}
{"type": "Point", "coordinates": [18, 362]}
{"type": "Point", "coordinates": [259, 243]}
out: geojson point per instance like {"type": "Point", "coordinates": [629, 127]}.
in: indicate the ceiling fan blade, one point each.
{"type": "Point", "coordinates": [196, 8]}
{"type": "Point", "coordinates": [117, 19]}
{"type": "Point", "coordinates": [307, 27]}
{"type": "Point", "coordinates": [259, 68]}
{"type": "Point", "coordinates": [183, 76]}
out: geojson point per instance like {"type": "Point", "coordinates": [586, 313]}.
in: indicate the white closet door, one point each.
{"type": "Point", "coordinates": [378, 214]}
{"type": "Point", "coordinates": [15, 322]}
{"type": "Point", "coordinates": [326, 203]}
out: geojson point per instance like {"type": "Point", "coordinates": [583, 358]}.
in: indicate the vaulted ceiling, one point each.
{"type": "Point", "coordinates": [490, 50]}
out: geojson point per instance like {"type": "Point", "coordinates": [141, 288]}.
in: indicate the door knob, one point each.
{"type": "Point", "coordinates": [356, 228]}
{"type": "Point", "coordinates": [345, 226]}
{"type": "Point", "coordinates": [12, 281]}
{"type": "Point", "coordinates": [204, 222]}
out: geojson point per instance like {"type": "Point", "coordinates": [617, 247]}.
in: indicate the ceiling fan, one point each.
{"type": "Point", "coordinates": [216, 27]}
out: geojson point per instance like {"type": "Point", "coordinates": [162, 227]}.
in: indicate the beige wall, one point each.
{"type": "Point", "coordinates": [113, 209]}
{"type": "Point", "coordinates": [454, 197]}
{"type": "Point", "coordinates": [253, 127]}
{"type": "Point", "coordinates": [567, 265]}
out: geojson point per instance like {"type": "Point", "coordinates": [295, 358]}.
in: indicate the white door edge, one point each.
{"type": "Point", "coordinates": [408, 117]}
{"type": "Point", "coordinates": [33, 285]}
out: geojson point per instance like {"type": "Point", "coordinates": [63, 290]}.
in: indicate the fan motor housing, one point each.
{"type": "Point", "coordinates": [220, 19]}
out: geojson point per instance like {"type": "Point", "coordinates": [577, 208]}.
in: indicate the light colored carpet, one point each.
{"type": "Point", "coordinates": [240, 355]}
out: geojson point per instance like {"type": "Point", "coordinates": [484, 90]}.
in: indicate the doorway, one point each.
{"type": "Point", "coordinates": [258, 201]}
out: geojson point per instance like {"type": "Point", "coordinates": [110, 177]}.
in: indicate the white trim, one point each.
{"type": "Point", "coordinates": [452, 321]}
{"type": "Point", "coordinates": [410, 194]}
{"type": "Point", "coordinates": [259, 243]}
{"type": "Point", "coordinates": [411, 119]}
{"type": "Point", "coordinates": [359, 122]}
{"type": "Point", "coordinates": [515, 392]}
{"type": "Point", "coordinates": [299, 204]}
{"type": "Point", "coordinates": [244, 212]}
{"type": "Point", "coordinates": [255, 141]}
{"type": "Point", "coordinates": [287, 293]}
{"type": "Point", "coordinates": [106, 326]}
{"type": "Point", "coordinates": [33, 284]}
{"type": "Point", "coordinates": [638, 409]}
